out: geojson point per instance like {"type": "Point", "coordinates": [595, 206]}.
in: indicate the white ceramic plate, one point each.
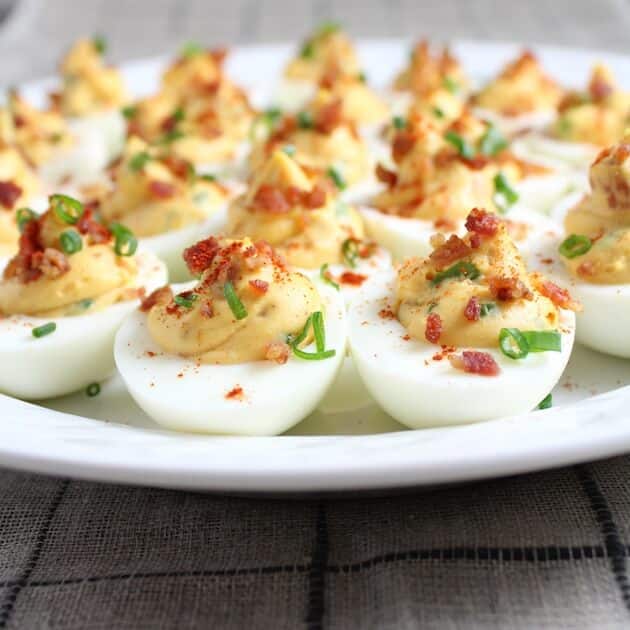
{"type": "Point", "coordinates": [108, 438]}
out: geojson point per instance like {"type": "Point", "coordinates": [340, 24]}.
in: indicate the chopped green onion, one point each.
{"type": "Point", "coordinates": [575, 245]}
{"type": "Point", "coordinates": [513, 344]}
{"type": "Point", "coordinates": [461, 269]}
{"type": "Point", "coordinates": [505, 196]}
{"type": "Point", "coordinates": [296, 341]}
{"type": "Point", "coordinates": [362, 77]}
{"type": "Point", "coordinates": [492, 142]}
{"type": "Point", "coordinates": [486, 308]}
{"type": "Point", "coordinates": [264, 123]}
{"type": "Point", "coordinates": [171, 136]}
{"type": "Point", "coordinates": [323, 274]}
{"type": "Point", "coordinates": [399, 122]}
{"type": "Point", "coordinates": [70, 241]}
{"type": "Point", "coordinates": [337, 177]}
{"type": "Point", "coordinates": [313, 356]}
{"type": "Point", "coordinates": [350, 252]}
{"type": "Point", "coordinates": [100, 44]}
{"type": "Point", "coordinates": [543, 340]}
{"type": "Point", "coordinates": [24, 216]}
{"type": "Point", "coordinates": [69, 210]}
{"type": "Point", "coordinates": [450, 84]}
{"type": "Point", "coordinates": [93, 389]}
{"type": "Point", "coordinates": [186, 300]}
{"type": "Point", "coordinates": [461, 144]}
{"type": "Point", "coordinates": [139, 161]}
{"type": "Point", "coordinates": [308, 50]}
{"type": "Point", "coordinates": [327, 28]}
{"type": "Point", "coordinates": [236, 306]}
{"type": "Point", "coordinates": [317, 321]}
{"type": "Point", "coordinates": [432, 307]}
{"type": "Point", "coordinates": [85, 304]}
{"type": "Point", "coordinates": [125, 243]}
{"type": "Point", "coordinates": [207, 177]}
{"type": "Point", "coordinates": [438, 112]}
{"type": "Point", "coordinates": [546, 402]}
{"type": "Point", "coordinates": [289, 149]}
{"type": "Point", "coordinates": [129, 111]}
{"type": "Point", "coordinates": [305, 120]}
{"type": "Point", "coordinates": [319, 331]}
{"type": "Point", "coordinates": [178, 115]}
{"type": "Point", "coordinates": [44, 329]}
{"type": "Point", "coordinates": [191, 49]}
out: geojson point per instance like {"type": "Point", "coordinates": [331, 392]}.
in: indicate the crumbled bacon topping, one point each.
{"type": "Point", "coordinates": [475, 362]}
{"type": "Point", "coordinates": [89, 226]}
{"type": "Point", "coordinates": [199, 256]}
{"type": "Point", "coordinates": [162, 190]}
{"type": "Point", "coordinates": [9, 194]}
{"type": "Point", "coordinates": [433, 328]}
{"type": "Point", "coordinates": [51, 262]}
{"type": "Point", "coordinates": [351, 278]}
{"type": "Point", "coordinates": [481, 222]}
{"type": "Point", "coordinates": [179, 167]}
{"type": "Point", "coordinates": [159, 296]}
{"type": "Point", "coordinates": [387, 313]}
{"type": "Point", "coordinates": [389, 178]}
{"type": "Point", "coordinates": [402, 144]}
{"type": "Point", "coordinates": [329, 117]}
{"type": "Point", "coordinates": [236, 393]}
{"type": "Point", "coordinates": [472, 312]}
{"type": "Point", "coordinates": [506, 288]}
{"type": "Point", "coordinates": [259, 286]}
{"type": "Point", "coordinates": [447, 253]}
{"type": "Point", "coordinates": [559, 296]}
{"type": "Point", "coordinates": [271, 199]}
{"type": "Point", "coordinates": [278, 352]}
{"type": "Point", "coordinates": [278, 201]}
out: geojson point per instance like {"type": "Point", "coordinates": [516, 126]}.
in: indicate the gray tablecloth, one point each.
{"type": "Point", "coordinates": [548, 550]}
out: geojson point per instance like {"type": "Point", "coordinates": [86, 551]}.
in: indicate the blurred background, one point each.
{"type": "Point", "coordinates": [33, 33]}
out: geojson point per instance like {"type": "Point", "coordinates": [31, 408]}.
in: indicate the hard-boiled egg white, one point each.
{"type": "Point", "coordinates": [77, 353]}
{"type": "Point", "coordinates": [604, 322]}
{"type": "Point", "coordinates": [547, 193]}
{"type": "Point", "coordinates": [556, 154]}
{"type": "Point", "coordinates": [293, 95]}
{"type": "Point", "coordinates": [410, 383]}
{"type": "Point", "coordinates": [255, 398]}
{"type": "Point", "coordinates": [512, 125]}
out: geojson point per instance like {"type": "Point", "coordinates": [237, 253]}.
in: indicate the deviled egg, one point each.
{"type": "Point", "coordinates": [224, 347]}
{"type": "Point", "coordinates": [461, 336]}
{"type": "Point", "coordinates": [593, 257]}
{"type": "Point", "coordinates": [62, 298]}
{"type": "Point", "coordinates": [165, 203]}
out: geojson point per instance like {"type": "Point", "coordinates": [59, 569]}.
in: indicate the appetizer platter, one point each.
{"type": "Point", "coordinates": [322, 266]}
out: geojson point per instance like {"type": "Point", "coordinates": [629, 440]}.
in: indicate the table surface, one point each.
{"type": "Point", "coordinates": [548, 550]}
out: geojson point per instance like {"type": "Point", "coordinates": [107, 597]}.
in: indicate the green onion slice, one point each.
{"type": "Point", "coordinates": [461, 144]}
{"type": "Point", "coordinates": [513, 344]}
{"type": "Point", "coordinates": [171, 136]}
{"type": "Point", "coordinates": [314, 356]}
{"type": "Point", "coordinates": [125, 243]}
{"type": "Point", "coordinates": [438, 112]}
{"type": "Point", "coordinates": [450, 84]}
{"type": "Point", "coordinates": [100, 43]}
{"type": "Point", "coordinates": [546, 402]}
{"type": "Point", "coordinates": [327, 28]}
{"type": "Point", "coordinates": [575, 245]}
{"type": "Point", "coordinates": [69, 210]}
{"type": "Point", "coordinates": [186, 300]}
{"type": "Point", "coordinates": [93, 389]}
{"type": "Point", "coordinates": [70, 241]}
{"type": "Point", "coordinates": [308, 50]}
{"type": "Point", "coordinates": [305, 120]}
{"type": "Point", "coordinates": [296, 341]}
{"type": "Point", "coordinates": [505, 196]}
{"type": "Point", "coordinates": [44, 329]}
{"type": "Point", "coordinates": [461, 269]}
{"type": "Point", "coordinates": [543, 340]}
{"type": "Point", "coordinates": [129, 111]}
{"type": "Point", "coordinates": [191, 49]}
{"type": "Point", "coordinates": [492, 142]}
{"type": "Point", "coordinates": [262, 126]}
{"type": "Point", "coordinates": [207, 177]}
{"type": "Point", "coordinates": [24, 216]}
{"type": "Point", "coordinates": [337, 177]}
{"type": "Point", "coordinates": [350, 252]}
{"type": "Point", "coordinates": [317, 321]}
{"type": "Point", "coordinates": [362, 77]}
{"type": "Point", "coordinates": [399, 122]}
{"type": "Point", "coordinates": [486, 308]}
{"type": "Point", "coordinates": [139, 161]}
{"type": "Point", "coordinates": [323, 274]}
{"type": "Point", "coordinates": [236, 306]}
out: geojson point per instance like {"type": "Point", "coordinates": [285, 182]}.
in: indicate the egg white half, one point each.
{"type": "Point", "coordinates": [182, 395]}
{"type": "Point", "coordinates": [418, 391]}
{"type": "Point", "coordinates": [77, 353]}
{"type": "Point", "coordinates": [556, 154]}
{"type": "Point", "coordinates": [604, 322]}
{"type": "Point", "coordinates": [511, 125]}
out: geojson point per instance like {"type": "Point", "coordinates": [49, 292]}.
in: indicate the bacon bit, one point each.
{"type": "Point", "coordinates": [472, 312]}
{"type": "Point", "coordinates": [449, 252]}
{"type": "Point", "coordinates": [179, 167]}
{"type": "Point", "coordinates": [599, 89]}
{"type": "Point", "coordinates": [546, 261]}
{"type": "Point", "coordinates": [271, 199]}
{"type": "Point", "coordinates": [475, 163]}
{"type": "Point", "coordinates": [444, 224]}
{"type": "Point", "coordinates": [586, 268]}
{"type": "Point", "coordinates": [199, 257]}
{"type": "Point", "coordinates": [474, 362]}
{"type": "Point", "coordinates": [351, 278]}
{"type": "Point", "coordinates": [162, 190]}
{"type": "Point", "coordinates": [89, 226]}
{"type": "Point", "coordinates": [482, 223]}
{"type": "Point", "coordinates": [559, 296]}
{"type": "Point", "coordinates": [433, 328]}
{"type": "Point", "coordinates": [508, 288]}
{"type": "Point", "coordinates": [386, 176]}
{"type": "Point", "coordinates": [236, 393]}
{"type": "Point", "coordinates": [314, 198]}
{"type": "Point", "coordinates": [207, 309]}
{"type": "Point", "coordinates": [51, 262]}
{"type": "Point", "coordinates": [259, 286]}
{"type": "Point", "coordinates": [443, 353]}
{"type": "Point", "coordinates": [277, 351]}
{"type": "Point", "coordinates": [386, 313]}
{"type": "Point", "coordinates": [403, 143]}
{"type": "Point", "coordinates": [150, 353]}
{"type": "Point", "coordinates": [159, 296]}
{"type": "Point", "coordinates": [406, 337]}
{"type": "Point", "coordinates": [9, 194]}
{"type": "Point", "coordinates": [329, 117]}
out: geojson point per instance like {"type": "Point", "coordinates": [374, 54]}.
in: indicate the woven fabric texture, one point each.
{"type": "Point", "coordinates": [548, 550]}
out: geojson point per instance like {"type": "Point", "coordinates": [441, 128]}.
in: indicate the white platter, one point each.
{"type": "Point", "coordinates": [108, 438]}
